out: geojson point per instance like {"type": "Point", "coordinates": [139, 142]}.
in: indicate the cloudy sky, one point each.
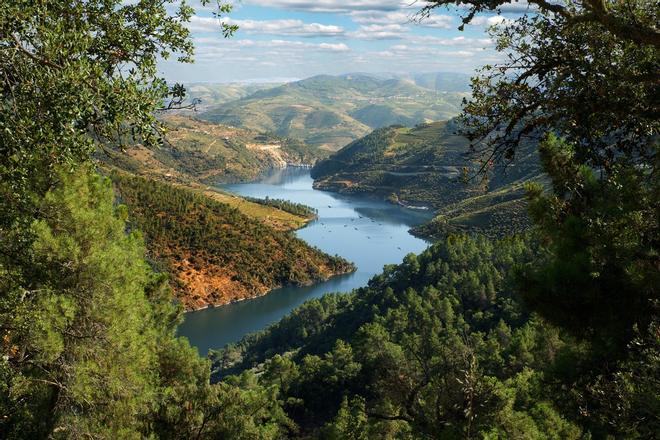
{"type": "Point", "coordinates": [293, 39]}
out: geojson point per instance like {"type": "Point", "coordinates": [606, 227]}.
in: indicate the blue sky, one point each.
{"type": "Point", "coordinates": [293, 39]}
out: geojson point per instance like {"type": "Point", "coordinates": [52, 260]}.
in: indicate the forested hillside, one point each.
{"type": "Point", "coordinates": [428, 165]}
{"type": "Point", "coordinates": [437, 347]}
{"type": "Point", "coordinates": [215, 253]}
{"type": "Point", "coordinates": [331, 111]}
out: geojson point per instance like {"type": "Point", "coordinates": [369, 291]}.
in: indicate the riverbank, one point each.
{"type": "Point", "coordinates": [350, 270]}
{"type": "Point", "coordinates": [369, 232]}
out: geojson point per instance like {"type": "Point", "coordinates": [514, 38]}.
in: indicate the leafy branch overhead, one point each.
{"type": "Point", "coordinates": [100, 55]}
{"type": "Point", "coordinates": [569, 69]}
{"type": "Point", "coordinates": [634, 24]}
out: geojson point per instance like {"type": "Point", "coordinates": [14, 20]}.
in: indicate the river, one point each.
{"type": "Point", "coordinates": [368, 232]}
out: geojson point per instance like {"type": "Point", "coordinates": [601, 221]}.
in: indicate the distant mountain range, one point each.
{"type": "Point", "coordinates": [332, 111]}
{"type": "Point", "coordinates": [211, 95]}
{"type": "Point", "coordinates": [426, 166]}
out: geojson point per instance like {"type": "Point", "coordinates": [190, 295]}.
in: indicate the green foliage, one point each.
{"type": "Point", "coordinates": [89, 348]}
{"type": "Point", "coordinates": [629, 21]}
{"type": "Point", "coordinates": [553, 77]}
{"type": "Point", "coordinates": [86, 327]}
{"type": "Point", "coordinates": [73, 368]}
{"type": "Point", "coordinates": [597, 275]}
{"type": "Point", "coordinates": [350, 422]}
{"type": "Point", "coordinates": [288, 206]}
{"type": "Point", "coordinates": [66, 56]}
{"type": "Point", "coordinates": [437, 347]}
{"type": "Point", "coordinates": [600, 279]}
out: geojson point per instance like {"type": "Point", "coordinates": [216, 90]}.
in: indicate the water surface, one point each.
{"type": "Point", "coordinates": [368, 232]}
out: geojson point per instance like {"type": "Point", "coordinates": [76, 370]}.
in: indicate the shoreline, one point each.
{"type": "Point", "coordinates": [217, 306]}
{"type": "Point", "coordinates": [338, 189]}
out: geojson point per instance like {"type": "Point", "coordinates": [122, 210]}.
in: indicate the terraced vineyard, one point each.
{"type": "Point", "coordinates": [212, 153]}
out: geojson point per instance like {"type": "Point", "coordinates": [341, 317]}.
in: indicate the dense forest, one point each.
{"type": "Point", "coordinates": [215, 253]}
{"type": "Point", "coordinates": [551, 334]}
{"type": "Point", "coordinates": [437, 347]}
{"type": "Point", "coordinates": [288, 206]}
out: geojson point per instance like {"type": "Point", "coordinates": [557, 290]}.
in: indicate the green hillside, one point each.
{"type": "Point", "coordinates": [426, 166]}
{"type": "Point", "coordinates": [433, 348]}
{"type": "Point", "coordinates": [331, 111]}
{"type": "Point", "coordinates": [214, 245]}
{"type": "Point", "coordinates": [215, 253]}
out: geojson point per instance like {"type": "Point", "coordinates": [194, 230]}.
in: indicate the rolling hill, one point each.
{"type": "Point", "coordinates": [213, 94]}
{"type": "Point", "coordinates": [331, 111]}
{"type": "Point", "coordinates": [214, 253]}
{"type": "Point", "coordinates": [426, 167]}
{"type": "Point", "coordinates": [216, 247]}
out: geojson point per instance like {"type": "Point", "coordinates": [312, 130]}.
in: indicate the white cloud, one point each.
{"type": "Point", "coordinates": [425, 40]}
{"type": "Point", "coordinates": [272, 27]}
{"type": "Point", "coordinates": [210, 46]}
{"type": "Point", "coordinates": [204, 24]}
{"type": "Point", "coordinates": [379, 32]}
{"type": "Point", "coordinates": [493, 20]}
{"type": "Point", "coordinates": [401, 17]}
{"type": "Point", "coordinates": [332, 5]}
{"type": "Point", "coordinates": [339, 47]}
{"type": "Point", "coordinates": [287, 27]}
{"type": "Point", "coordinates": [380, 17]}
{"type": "Point", "coordinates": [438, 21]}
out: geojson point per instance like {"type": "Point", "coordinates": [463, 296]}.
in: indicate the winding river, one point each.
{"type": "Point", "coordinates": [368, 232]}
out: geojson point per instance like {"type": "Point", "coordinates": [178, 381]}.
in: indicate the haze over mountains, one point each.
{"type": "Point", "coordinates": [331, 111]}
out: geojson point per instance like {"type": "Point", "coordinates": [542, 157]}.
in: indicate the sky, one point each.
{"type": "Point", "coordinates": [285, 40]}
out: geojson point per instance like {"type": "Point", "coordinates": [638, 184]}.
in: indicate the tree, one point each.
{"type": "Point", "coordinates": [580, 78]}
{"type": "Point", "coordinates": [76, 74]}
{"type": "Point", "coordinates": [642, 28]}
{"type": "Point", "coordinates": [82, 316]}
{"type": "Point", "coordinates": [80, 352]}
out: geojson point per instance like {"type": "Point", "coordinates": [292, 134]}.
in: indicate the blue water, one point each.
{"type": "Point", "coordinates": [368, 232]}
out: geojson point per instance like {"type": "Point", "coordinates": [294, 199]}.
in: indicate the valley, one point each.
{"type": "Point", "coordinates": [328, 112]}
{"type": "Point", "coordinates": [367, 232]}
{"type": "Point", "coordinates": [427, 166]}
{"type": "Point", "coordinates": [326, 220]}
{"type": "Point", "coordinates": [217, 247]}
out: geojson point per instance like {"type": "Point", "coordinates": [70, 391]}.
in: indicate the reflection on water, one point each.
{"type": "Point", "coordinates": [368, 232]}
